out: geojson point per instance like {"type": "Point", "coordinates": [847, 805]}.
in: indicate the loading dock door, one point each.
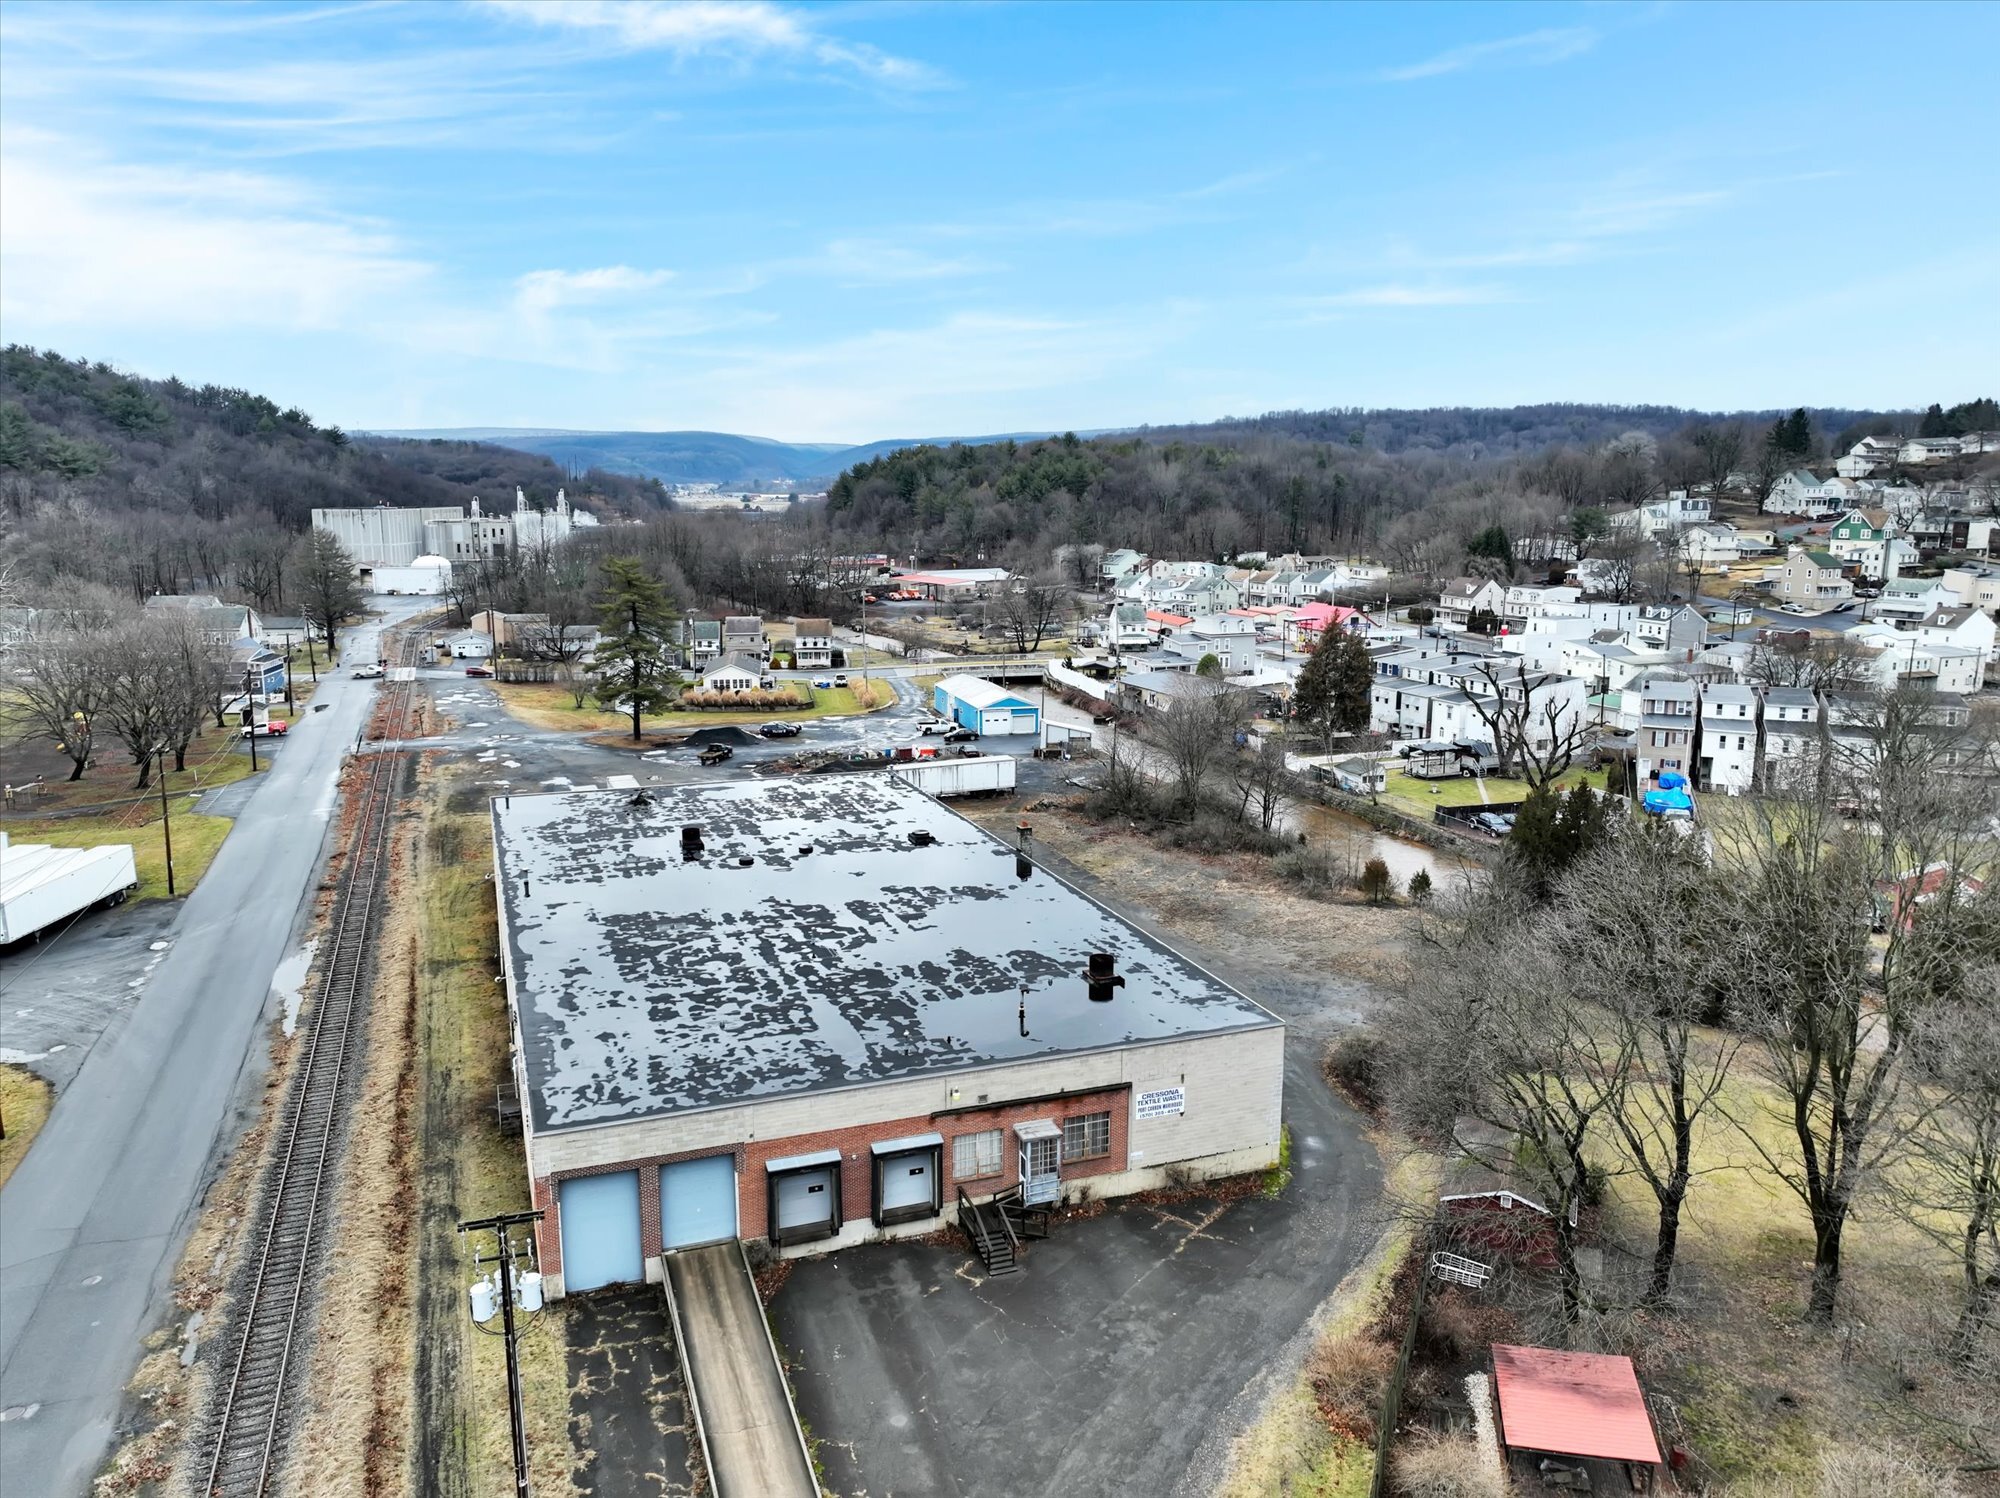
{"type": "Point", "coordinates": [600, 1231]}
{"type": "Point", "coordinates": [907, 1179]}
{"type": "Point", "coordinates": [804, 1196]}
{"type": "Point", "coordinates": [698, 1202]}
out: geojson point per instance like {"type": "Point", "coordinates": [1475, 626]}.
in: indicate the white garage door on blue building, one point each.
{"type": "Point", "coordinates": [985, 707]}
{"type": "Point", "coordinates": [698, 1202]}
{"type": "Point", "coordinates": [600, 1231]}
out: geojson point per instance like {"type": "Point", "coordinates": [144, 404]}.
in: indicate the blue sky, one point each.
{"type": "Point", "coordinates": [875, 220]}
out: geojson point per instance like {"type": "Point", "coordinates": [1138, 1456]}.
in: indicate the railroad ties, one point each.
{"type": "Point", "coordinates": [252, 1412]}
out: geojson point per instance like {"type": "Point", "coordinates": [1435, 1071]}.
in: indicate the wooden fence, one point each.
{"type": "Point", "coordinates": [1392, 1397]}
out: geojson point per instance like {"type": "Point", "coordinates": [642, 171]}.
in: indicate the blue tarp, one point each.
{"type": "Point", "coordinates": [1661, 802]}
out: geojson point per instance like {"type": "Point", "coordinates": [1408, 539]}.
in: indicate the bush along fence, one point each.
{"type": "Point", "coordinates": [1392, 1397]}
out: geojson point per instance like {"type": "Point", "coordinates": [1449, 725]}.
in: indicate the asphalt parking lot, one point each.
{"type": "Point", "coordinates": [1122, 1359]}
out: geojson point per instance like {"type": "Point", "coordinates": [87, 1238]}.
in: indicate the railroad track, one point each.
{"type": "Point", "coordinates": [246, 1434]}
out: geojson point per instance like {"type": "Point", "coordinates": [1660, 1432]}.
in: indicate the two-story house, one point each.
{"type": "Point", "coordinates": [1815, 579]}
{"type": "Point", "coordinates": [1907, 600]}
{"type": "Point", "coordinates": [1792, 727]}
{"type": "Point", "coordinates": [1726, 749]}
{"type": "Point", "coordinates": [812, 643]}
{"type": "Point", "coordinates": [1666, 726]}
{"type": "Point", "coordinates": [1670, 627]}
{"type": "Point", "coordinates": [743, 634]}
{"type": "Point", "coordinates": [1800, 492]}
{"type": "Point", "coordinates": [1975, 583]}
{"type": "Point", "coordinates": [1465, 596]}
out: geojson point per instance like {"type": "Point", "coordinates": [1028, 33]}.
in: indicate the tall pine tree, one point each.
{"type": "Point", "coordinates": [1331, 698]}
{"type": "Point", "coordinates": [630, 668]}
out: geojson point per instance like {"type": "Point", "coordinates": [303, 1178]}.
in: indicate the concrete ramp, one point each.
{"type": "Point", "coordinates": [742, 1409]}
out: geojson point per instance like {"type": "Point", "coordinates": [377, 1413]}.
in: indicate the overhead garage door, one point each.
{"type": "Point", "coordinates": [805, 1196]}
{"type": "Point", "coordinates": [600, 1231]}
{"type": "Point", "coordinates": [698, 1201]}
{"type": "Point", "coordinates": [906, 1179]}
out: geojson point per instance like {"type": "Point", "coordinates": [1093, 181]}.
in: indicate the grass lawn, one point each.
{"type": "Point", "coordinates": [1409, 794]}
{"type": "Point", "coordinates": [550, 705]}
{"type": "Point", "coordinates": [24, 1107]}
{"type": "Point", "coordinates": [196, 842]}
{"type": "Point", "coordinates": [212, 760]}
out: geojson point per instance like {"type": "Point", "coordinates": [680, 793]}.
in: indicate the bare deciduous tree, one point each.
{"type": "Point", "coordinates": [1033, 610]}
{"type": "Point", "coordinates": [1195, 733]}
{"type": "Point", "coordinates": [1537, 730]}
{"type": "Point", "coordinates": [60, 692]}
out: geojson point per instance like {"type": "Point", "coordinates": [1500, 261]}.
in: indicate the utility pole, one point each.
{"type": "Point", "coordinates": [250, 714]}
{"type": "Point", "coordinates": [532, 1302]}
{"type": "Point", "coordinates": [166, 821]}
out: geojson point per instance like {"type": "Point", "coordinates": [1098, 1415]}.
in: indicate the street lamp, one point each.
{"type": "Point", "coordinates": [501, 1290]}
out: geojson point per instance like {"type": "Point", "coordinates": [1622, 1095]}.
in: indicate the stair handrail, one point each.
{"type": "Point", "coordinates": [1006, 1222]}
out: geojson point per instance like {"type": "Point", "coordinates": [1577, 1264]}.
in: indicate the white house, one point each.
{"type": "Point", "coordinates": [1726, 753]}
{"type": "Point", "coordinates": [1975, 583]}
{"type": "Point", "coordinates": [1669, 516]}
{"type": "Point", "coordinates": [1800, 492]}
{"type": "Point", "coordinates": [1963, 625]}
{"type": "Point", "coordinates": [1716, 544]}
{"type": "Point", "coordinates": [1125, 627]}
{"type": "Point", "coordinates": [736, 672]}
{"type": "Point", "coordinates": [812, 643]}
{"type": "Point", "coordinates": [1868, 456]}
{"type": "Point", "coordinates": [1791, 734]}
{"type": "Point", "coordinates": [1670, 627]}
{"type": "Point", "coordinates": [1905, 600]}
{"type": "Point", "coordinates": [1523, 599]}
{"type": "Point", "coordinates": [1464, 596]}
{"type": "Point", "coordinates": [1930, 449]}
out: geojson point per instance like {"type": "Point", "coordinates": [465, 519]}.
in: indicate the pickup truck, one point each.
{"type": "Point", "coordinates": [714, 754]}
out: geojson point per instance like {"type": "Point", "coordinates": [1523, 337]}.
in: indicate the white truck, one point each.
{"type": "Point", "coordinates": [41, 886]}
{"type": "Point", "coordinates": [987, 774]}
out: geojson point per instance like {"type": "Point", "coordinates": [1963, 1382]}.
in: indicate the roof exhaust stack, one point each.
{"type": "Point", "coordinates": [922, 838]}
{"type": "Point", "coordinates": [1101, 977]}
{"type": "Point", "coordinates": [691, 841]}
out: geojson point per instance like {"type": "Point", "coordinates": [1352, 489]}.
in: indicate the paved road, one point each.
{"type": "Point", "coordinates": [93, 1221]}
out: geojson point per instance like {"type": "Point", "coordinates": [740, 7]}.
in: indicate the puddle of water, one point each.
{"type": "Point", "coordinates": [289, 983]}
{"type": "Point", "coordinates": [1326, 826]}
{"type": "Point", "coordinates": [23, 1058]}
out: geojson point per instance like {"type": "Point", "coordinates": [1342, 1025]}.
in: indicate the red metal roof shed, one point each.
{"type": "Point", "coordinates": [1572, 1404]}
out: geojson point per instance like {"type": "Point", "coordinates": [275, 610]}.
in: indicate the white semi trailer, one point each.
{"type": "Point", "coordinates": [987, 774]}
{"type": "Point", "coordinates": [41, 886]}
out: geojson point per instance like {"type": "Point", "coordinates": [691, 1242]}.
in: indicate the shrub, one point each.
{"type": "Point", "coordinates": [1420, 887]}
{"type": "Point", "coordinates": [1375, 881]}
{"type": "Point", "coordinates": [1354, 1065]}
{"type": "Point", "coordinates": [1349, 1376]}
{"type": "Point", "coordinates": [1868, 1472]}
{"type": "Point", "coordinates": [1445, 1467]}
{"type": "Point", "coordinates": [1316, 871]}
{"type": "Point", "coordinates": [1455, 1331]}
{"type": "Point", "coordinates": [1212, 832]}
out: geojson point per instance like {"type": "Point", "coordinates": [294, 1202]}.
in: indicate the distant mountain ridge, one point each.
{"type": "Point", "coordinates": [724, 458]}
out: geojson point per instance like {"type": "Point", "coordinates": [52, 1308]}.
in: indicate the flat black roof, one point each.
{"type": "Point", "coordinates": [648, 984]}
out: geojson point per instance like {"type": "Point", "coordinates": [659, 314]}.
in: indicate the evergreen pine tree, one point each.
{"type": "Point", "coordinates": [629, 668]}
{"type": "Point", "coordinates": [1933, 424]}
{"type": "Point", "coordinates": [1353, 682]}
{"type": "Point", "coordinates": [1313, 696]}
{"type": "Point", "coordinates": [1536, 849]}
{"type": "Point", "coordinates": [1492, 542]}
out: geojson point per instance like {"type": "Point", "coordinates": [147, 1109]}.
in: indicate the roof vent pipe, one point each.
{"type": "Point", "coordinates": [922, 838]}
{"type": "Point", "coordinates": [690, 841]}
{"type": "Point", "coordinates": [1101, 977]}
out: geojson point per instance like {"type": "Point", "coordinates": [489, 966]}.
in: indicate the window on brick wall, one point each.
{"type": "Point", "coordinates": [976, 1155]}
{"type": "Point", "coordinates": [1087, 1137]}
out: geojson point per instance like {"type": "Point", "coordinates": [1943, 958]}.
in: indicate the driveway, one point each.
{"type": "Point", "coordinates": [92, 1222]}
{"type": "Point", "coordinates": [1128, 1352]}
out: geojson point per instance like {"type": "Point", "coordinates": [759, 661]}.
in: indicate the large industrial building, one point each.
{"type": "Point", "coordinates": [399, 538]}
{"type": "Point", "coordinates": [813, 1011]}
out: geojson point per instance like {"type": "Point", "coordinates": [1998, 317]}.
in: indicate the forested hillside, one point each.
{"type": "Point", "coordinates": [156, 485]}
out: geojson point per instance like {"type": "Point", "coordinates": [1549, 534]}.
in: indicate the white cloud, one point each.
{"type": "Point", "coordinates": [90, 243]}
{"type": "Point", "coordinates": [542, 291]}
{"type": "Point", "coordinates": [885, 262]}
{"type": "Point", "coordinates": [1531, 49]}
{"type": "Point", "coordinates": [1396, 294]}
{"type": "Point", "coordinates": [693, 28]}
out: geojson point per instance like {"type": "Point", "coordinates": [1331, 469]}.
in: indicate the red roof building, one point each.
{"type": "Point", "coordinates": [1579, 1404]}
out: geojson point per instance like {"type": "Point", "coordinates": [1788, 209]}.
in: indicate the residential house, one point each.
{"type": "Point", "coordinates": [1814, 578]}
{"type": "Point", "coordinates": [1523, 599]}
{"type": "Point", "coordinates": [1159, 690]}
{"type": "Point", "coordinates": [1116, 566]}
{"type": "Point", "coordinates": [17, 628]}
{"type": "Point", "coordinates": [1670, 627]}
{"type": "Point", "coordinates": [286, 632]}
{"type": "Point", "coordinates": [1866, 540]}
{"type": "Point", "coordinates": [1125, 627]}
{"type": "Point", "coordinates": [258, 669]}
{"type": "Point", "coordinates": [467, 645]}
{"type": "Point", "coordinates": [743, 634]}
{"type": "Point", "coordinates": [1358, 776]}
{"type": "Point", "coordinates": [1667, 517]}
{"type": "Point", "coordinates": [1975, 583]}
{"type": "Point", "coordinates": [702, 641]}
{"type": "Point", "coordinates": [1951, 531]}
{"type": "Point", "coordinates": [1464, 596]}
{"type": "Point", "coordinates": [1666, 725]}
{"type": "Point", "coordinates": [1906, 600]}
{"type": "Point", "coordinates": [222, 623]}
{"type": "Point", "coordinates": [1962, 625]}
{"type": "Point", "coordinates": [1929, 449]}
{"type": "Point", "coordinates": [1792, 727]}
{"type": "Point", "coordinates": [1800, 492]}
{"type": "Point", "coordinates": [812, 643]}
{"type": "Point", "coordinates": [1403, 708]}
{"type": "Point", "coordinates": [1230, 638]}
{"type": "Point", "coordinates": [1869, 456]}
{"type": "Point", "coordinates": [1716, 544]}
{"type": "Point", "coordinates": [1726, 750]}
{"type": "Point", "coordinates": [737, 671]}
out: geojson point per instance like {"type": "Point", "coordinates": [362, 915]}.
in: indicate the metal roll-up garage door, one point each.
{"type": "Point", "coordinates": [698, 1202]}
{"type": "Point", "coordinates": [600, 1231]}
{"type": "Point", "coordinates": [906, 1178]}
{"type": "Point", "coordinates": [805, 1196]}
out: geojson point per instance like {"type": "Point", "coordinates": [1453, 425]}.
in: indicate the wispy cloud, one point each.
{"type": "Point", "coordinates": [1530, 49]}
{"type": "Point", "coordinates": [543, 291]}
{"type": "Point", "coordinates": [695, 28]}
{"type": "Point", "coordinates": [1398, 294]}
{"type": "Point", "coordinates": [860, 262]}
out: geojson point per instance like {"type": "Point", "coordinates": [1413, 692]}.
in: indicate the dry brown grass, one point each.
{"type": "Point", "coordinates": [1349, 1376]}
{"type": "Point", "coordinates": [1444, 1467]}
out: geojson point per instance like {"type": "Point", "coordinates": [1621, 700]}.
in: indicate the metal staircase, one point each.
{"type": "Point", "coordinates": [992, 1235]}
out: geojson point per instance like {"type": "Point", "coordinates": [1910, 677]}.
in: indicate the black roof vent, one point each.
{"type": "Point", "coordinates": [922, 838]}
{"type": "Point", "coordinates": [642, 799]}
{"type": "Point", "coordinates": [745, 861]}
{"type": "Point", "coordinates": [1102, 977]}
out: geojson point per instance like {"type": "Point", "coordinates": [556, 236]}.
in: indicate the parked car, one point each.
{"type": "Point", "coordinates": [477, 671]}
{"type": "Point", "coordinates": [840, 681]}
{"type": "Point", "coordinates": [367, 673]}
{"type": "Point", "coordinates": [778, 728]}
{"type": "Point", "coordinates": [277, 728]}
{"type": "Point", "coordinates": [824, 683]}
{"type": "Point", "coordinates": [1793, 608]}
{"type": "Point", "coordinates": [714, 754]}
{"type": "Point", "coordinates": [959, 736]}
{"type": "Point", "coordinates": [1493, 822]}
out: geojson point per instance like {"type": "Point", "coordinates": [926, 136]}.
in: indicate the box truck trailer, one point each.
{"type": "Point", "coordinates": [988, 774]}
{"type": "Point", "coordinates": [41, 886]}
